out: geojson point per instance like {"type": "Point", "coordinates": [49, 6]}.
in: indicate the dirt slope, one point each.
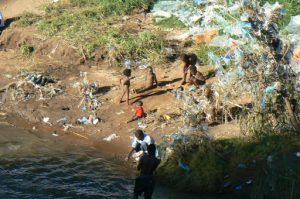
{"type": "Point", "coordinates": [14, 8]}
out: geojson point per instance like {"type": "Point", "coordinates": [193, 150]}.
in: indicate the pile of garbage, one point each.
{"type": "Point", "coordinates": [89, 102]}
{"type": "Point", "coordinates": [30, 85]}
{"type": "Point", "coordinates": [260, 64]}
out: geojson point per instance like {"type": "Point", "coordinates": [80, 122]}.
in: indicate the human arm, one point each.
{"type": "Point", "coordinates": [130, 154]}
{"type": "Point", "coordinates": [155, 80]}
{"type": "Point", "coordinates": [185, 71]}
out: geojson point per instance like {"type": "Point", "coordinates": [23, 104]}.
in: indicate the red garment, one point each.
{"type": "Point", "coordinates": [139, 111]}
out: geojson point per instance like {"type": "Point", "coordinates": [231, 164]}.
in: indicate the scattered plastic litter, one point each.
{"type": "Point", "coordinates": [141, 125]}
{"type": "Point", "coordinates": [249, 182]}
{"type": "Point", "coordinates": [83, 120]}
{"type": "Point", "coordinates": [270, 158]}
{"type": "Point", "coordinates": [46, 119]}
{"type": "Point", "coordinates": [184, 166]}
{"type": "Point", "coordinates": [55, 134]}
{"type": "Point", "coordinates": [3, 114]}
{"type": "Point", "coordinates": [242, 166]}
{"type": "Point", "coordinates": [111, 137]}
{"type": "Point", "coordinates": [120, 113]}
{"type": "Point", "coordinates": [39, 79]}
{"type": "Point", "coordinates": [62, 121]}
{"type": "Point", "coordinates": [239, 187]}
{"type": "Point", "coordinates": [227, 184]}
{"type": "Point", "coordinates": [227, 176]}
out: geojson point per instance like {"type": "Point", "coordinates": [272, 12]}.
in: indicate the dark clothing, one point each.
{"type": "Point", "coordinates": [145, 182]}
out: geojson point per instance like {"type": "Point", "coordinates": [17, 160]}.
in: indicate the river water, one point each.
{"type": "Point", "coordinates": [35, 167]}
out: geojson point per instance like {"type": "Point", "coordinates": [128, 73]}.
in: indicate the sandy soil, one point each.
{"type": "Point", "coordinates": [14, 8]}
{"type": "Point", "coordinates": [60, 60]}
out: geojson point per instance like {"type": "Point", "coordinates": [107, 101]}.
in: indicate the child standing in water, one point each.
{"type": "Point", "coordinates": [125, 84]}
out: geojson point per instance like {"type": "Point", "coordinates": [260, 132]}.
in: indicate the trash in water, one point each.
{"type": "Point", "coordinates": [111, 137]}
{"type": "Point", "coordinates": [249, 182]}
{"type": "Point", "coordinates": [298, 154]}
{"type": "Point", "coordinates": [34, 128]}
{"type": "Point", "coordinates": [238, 188]}
{"type": "Point", "coordinates": [270, 158]}
{"type": "Point", "coordinates": [242, 166]}
{"type": "Point", "coordinates": [227, 184]}
{"type": "Point", "coordinates": [227, 176]}
{"type": "Point", "coordinates": [184, 166]}
{"type": "Point", "coordinates": [3, 114]}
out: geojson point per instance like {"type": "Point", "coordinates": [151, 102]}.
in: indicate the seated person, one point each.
{"type": "Point", "coordinates": [188, 60]}
{"type": "Point", "coordinates": [150, 81]}
{"type": "Point", "coordinates": [139, 112]}
{"type": "Point", "coordinates": [196, 78]}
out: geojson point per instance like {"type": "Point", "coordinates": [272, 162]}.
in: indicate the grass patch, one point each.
{"type": "Point", "coordinates": [201, 50]}
{"type": "Point", "coordinates": [292, 8]}
{"type": "Point", "coordinates": [275, 164]}
{"type": "Point", "coordinates": [28, 19]}
{"type": "Point", "coordinates": [96, 24]}
{"type": "Point", "coordinates": [26, 49]}
{"type": "Point", "coordinates": [172, 22]}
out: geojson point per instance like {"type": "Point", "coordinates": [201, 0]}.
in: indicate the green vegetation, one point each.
{"type": "Point", "coordinates": [28, 19]}
{"type": "Point", "coordinates": [292, 8]}
{"type": "Point", "coordinates": [270, 162]}
{"type": "Point", "coordinates": [201, 51]}
{"type": "Point", "coordinates": [94, 24]}
{"type": "Point", "coordinates": [26, 49]}
{"type": "Point", "coordinates": [172, 22]}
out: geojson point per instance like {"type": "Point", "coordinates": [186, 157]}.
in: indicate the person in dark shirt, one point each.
{"type": "Point", "coordinates": [147, 165]}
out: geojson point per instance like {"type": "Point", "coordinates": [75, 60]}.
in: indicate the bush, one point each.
{"type": "Point", "coordinates": [26, 49]}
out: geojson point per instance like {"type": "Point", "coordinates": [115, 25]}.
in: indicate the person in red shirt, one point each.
{"type": "Point", "coordinates": [139, 112]}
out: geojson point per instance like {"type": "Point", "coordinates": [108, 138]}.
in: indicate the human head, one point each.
{"type": "Point", "coordinates": [151, 149]}
{"type": "Point", "coordinates": [127, 72]}
{"type": "Point", "coordinates": [139, 134]}
{"type": "Point", "coordinates": [184, 57]}
{"type": "Point", "coordinates": [139, 103]}
{"type": "Point", "coordinates": [150, 69]}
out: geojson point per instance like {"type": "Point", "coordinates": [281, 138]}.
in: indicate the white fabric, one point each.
{"type": "Point", "coordinates": [146, 141]}
{"type": "Point", "coordinates": [1, 20]}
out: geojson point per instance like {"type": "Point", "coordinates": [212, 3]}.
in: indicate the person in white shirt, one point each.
{"type": "Point", "coordinates": [140, 142]}
{"type": "Point", "coordinates": [1, 20]}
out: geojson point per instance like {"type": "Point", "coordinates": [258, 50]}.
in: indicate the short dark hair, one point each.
{"type": "Point", "coordinates": [139, 103]}
{"type": "Point", "coordinates": [189, 58]}
{"type": "Point", "coordinates": [151, 149]}
{"type": "Point", "coordinates": [139, 134]}
{"type": "Point", "coordinates": [127, 72]}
